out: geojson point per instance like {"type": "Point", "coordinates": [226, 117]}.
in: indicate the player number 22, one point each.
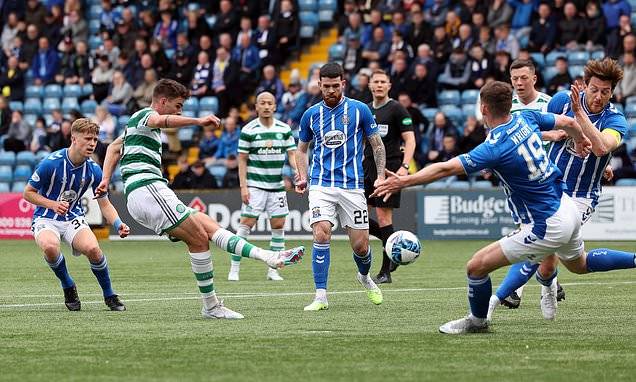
{"type": "Point", "coordinates": [360, 217]}
{"type": "Point", "coordinates": [535, 154]}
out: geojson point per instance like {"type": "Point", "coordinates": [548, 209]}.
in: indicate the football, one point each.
{"type": "Point", "coordinates": [403, 247]}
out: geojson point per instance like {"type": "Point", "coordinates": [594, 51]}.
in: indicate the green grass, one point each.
{"type": "Point", "coordinates": [162, 336]}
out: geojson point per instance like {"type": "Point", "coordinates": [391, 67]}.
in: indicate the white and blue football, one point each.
{"type": "Point", "coordinates": [403, 247]}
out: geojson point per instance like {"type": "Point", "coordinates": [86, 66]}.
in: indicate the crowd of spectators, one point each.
{"type": "Point", "coordinates": [231, 49]}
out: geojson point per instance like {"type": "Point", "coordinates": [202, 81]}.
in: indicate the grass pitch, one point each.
{"type": "Point", "coordinates": [162, 336]}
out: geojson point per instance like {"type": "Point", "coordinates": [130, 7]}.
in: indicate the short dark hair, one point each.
{"type": "Point", "coordinates": [605, 70]}
{"type": "Point", "coordinates": [497, 96]}
{"type": "Point", "coordinates": [519, 63]}
{"type": "Point", "coordinates": [331, 70]}
{"type": "Point", "coordinates": [170, 89]}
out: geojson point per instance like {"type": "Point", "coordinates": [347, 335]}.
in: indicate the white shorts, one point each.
{"type": "Point", "coordinates": [325, 203]}
{"type": "Point", "coordinates": [272, 203]}
{"type": "Point", "coordinates": [562, 237]}
{"type": "Point", "coordinates": [584, 206]}
{"type": "Point", "coordinates": [156, 207]}
{"type": "Point", "coordinates": [64, 230]}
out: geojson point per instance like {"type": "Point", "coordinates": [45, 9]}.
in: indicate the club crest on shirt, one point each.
{"type": "Point", "coordinates": [35, 177]}
{"type": "Point", "coordinates": [334, 139]}
{"type": "Point", "coordinates": [315, 212]}
{"type": "Point", "coordinates": [345, 119]}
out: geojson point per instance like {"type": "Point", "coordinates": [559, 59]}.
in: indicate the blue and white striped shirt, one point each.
{"type": "Point", "coordinates": [583, 175]}
{"type": "Point", "coordinates": [515, 153]}
{"type": "Point", "coordinates": [56, 178]}
{"type": "Point", "coordinates": [338, 134]}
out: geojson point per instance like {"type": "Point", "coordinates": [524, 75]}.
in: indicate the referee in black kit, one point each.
{"type": "Point", "coordinates": [395, 126]}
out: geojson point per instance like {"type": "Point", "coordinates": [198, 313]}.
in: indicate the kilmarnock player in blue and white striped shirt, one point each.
{"type": "Point", "coordinates": [56, 188]}
{"type": "Point", "coordinates": [550, 221]}
{"type": "Point", "coordinates": [338, 126]}
{"type": "Point", "coordinates": [605, 126]}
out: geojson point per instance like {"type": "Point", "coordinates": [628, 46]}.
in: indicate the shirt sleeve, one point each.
{"type": "Point", "coordinates": [244, 143]}
{"type": "Point", "coordinates": [545, 121]}
{"type": "Point", "coordinates": [305, 134]}
{"type": "Point", "coordinates": [405, 120]}
{"type": "Point", "coordinates": [559, 103]}
{"type": "Point", "coordinates": [291, 142]}
{"type": "Point", "coordinates": [616, 122]}
{"type": "Point", "coordinates": [368, 122]}
{"type": "Point", "coordinates": [479, 158]}
{"type": "Point", "coordinates": [41, 177]}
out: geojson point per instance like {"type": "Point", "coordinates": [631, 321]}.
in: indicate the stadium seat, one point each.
{"type": "Point", "coordinates": [33, 106]}
{"type": "Point", "coordinates": [578, 57]}
{"type": "Point", "coordinates": [429, 112]}
{"type": "Point", "coordinates": [22, 173]}
{"type": "Point", "coordinates": [539, 59]}
{"type": "Point", "coordinates": [169, 53]}
{"type": "Point", "coordinates": [18, 186]}
{"type": "Point", "coordinates": [186, 135]}
{"type": "Point", "coordinates": [88, 106]}
{"type": "Point", "coordinates": [308, 24]}
{"type": "Point", "coordinates": [41, 155]}
{"type": "Point", "coordinates": [25, 158]}
{"type": "Point", "coordinates": [72, 90]}
{"type": "Point", "coordinates": [51, 104]}
{"type": "Point", "coordinates": [94, 42]}
{"type": "Point", "coordinates": [53, 91]}
{"type": "Point", "coordinates": [34, 91]}
{"type": "Point", "coordinates": [626, 182]}
{"type": "Point", "coordinates": [470, 96]}
{"type": "Point", "coordinates": [16, 105]}
{"type": "Point", "coordinates": [453, 113]}
{"type": "Point", "coordinates": [481, 184]}
{"type": "Point", "coordinates": [93, 26]}
{"type": "Point", "coordinates": [117, 174]}
{"type": "Point", "coordinates": [459, 185]}
{"type": "Point", "coordinates": [6, 173]}
{"type": "Point", "coordinates": [4, 187]}
{"type": "Point", "coordinates": [94, 11]}
{"type": "Point", "coordinates": [548, 73]}
{"type": "Point", "coordinates": [630, 110]}
{"type": "Point", "coordinates": [308, 5]}
{"type": "Point", "coordinates": [30, 119]}
{"type": "Point", "coordinates": [630, 99]}
{"type": "Point", "coordinates": [598, 55]}
{"type": "Point", "coordinates": [468, 111]}
{"type": "Point", "coordinates": [325, 16]}
{"type": "Point", "coordinates": [87, 89]}
{"type": "Point", "coordinates": [576, 70]}
{"type": "Point", "coordinates": [551, 58]}
{"type": "Point", "coordinates": [191, 104]}
{"type": "Point", "coordinates": [336, 52]}
{"type": "Point", "coordinates": [209, 104]}
{"type": "Point", "coordinates": [218, 172]}
{"type": "Point", "coordinates": [69, 104]}
{"type": "Point", "coordinates": [328, 5]}
{"type": "Point", "coordinates": [448, 97]}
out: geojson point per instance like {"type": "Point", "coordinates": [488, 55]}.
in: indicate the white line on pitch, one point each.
{"type": "Point", "coordinates": [290, 294]}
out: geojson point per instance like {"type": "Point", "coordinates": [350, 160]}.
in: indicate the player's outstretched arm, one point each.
{"type": "Point", "coordinates": [168, 121]}
{"type": "Point", "coordinates": [553, 135]}
{"type": "Point", "coordinates": [301, 167]}
{"type": "Point", "coordinates": [113, 154]}
{"type": "Point", "coordinates": [572, 127]}
{"type": "Point", "coordinates": [394, 182]}
{"type": "Point", "coordinates": [379, 155]}
{"type": "Point", "coordinates": [602, 143]}
{"type": "Point", "coordinates": [32, 196]}
{"type": "Point", "coordinates": [112, 217]}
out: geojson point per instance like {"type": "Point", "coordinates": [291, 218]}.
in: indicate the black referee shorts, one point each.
{"type": "Point", "coordinates": [369, 178]}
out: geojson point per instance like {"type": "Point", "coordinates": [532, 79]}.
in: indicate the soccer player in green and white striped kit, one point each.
{"type": "Point", "coordinates": [155, 206]}
{"type": "Point", "coordinates": [264, 144]}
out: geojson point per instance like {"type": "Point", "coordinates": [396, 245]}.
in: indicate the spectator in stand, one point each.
{"type": "Point", "coordinates": [616, 37]}
{"type": "Point", "coordinates": [544, 31]}
{"type": "Point", "coordinates": [613, 10]}
{"type": "Point", "coordinates": [125, 34]}
{"type": "Point", "coordinates": [361, 90]}
{"type": "Point", "coordinates": [522, 17]}
{"type": "Point", "coordinates": [457, 72]}
{"type": "Point", "coordinates": [375, 21]}
{"type": "Point", "coordinates": [82, 64]}
{"type": "Point", "coordinates": [229, 141]}
{"type": "Point", "coordinates": [436, 14]}
{"type": "Point", "coordinates": [197, 25]}
{"type": "Point", "coordinates": [183, 179]}
{"type": "Point", "coordinates": [205, 45]}
{"type": "Point", "coordinates": [56, 122]}
{"type": "Point", "coordinates": [421, 87]}
{"type": "Point", "coordinates": [45, 63]}
{"type": "Point", "coordinates": [201, 178]}
{"type": "Point", "coordinates": [627, 86]}
{"type": "Point", "coordinates": [108, 48]}
{"type": "Point", "coordinates": [127, 67]}
{"type": "Point", "coordinates": [202, 75]}
{"type": "Point", "coordinates": [353, 60]}
{"type": "Point", "coordinates": [501, 67]}
{"type": "Point", "coordinates": [29, 46]}
{"type": "Point", "coordinates": [452, 24]}
{"type": "Point", "coordinates": [441, 128]}
{"type": "Point", "coordinates": [224, 81]}
{"type": "Point", "coordinates": [505, 41]}
{"type": "Point", "coordinates": [499, 13]}
{"type": "Point", "coordinates": [571, 28]}
{"type": "Point", "coordinates": [287, 27]}
{"type": "Point", "coordinates": [350, 7]}
{"type": "Point", "coordinates": [245, 27]}
{"type": "Point", "coordinates": [148, 24]}
{"type": "Point", "coordinates": [181, 69]}
{"type": "Point", "coordinates": [160, 61]}
{"type": "Point", "coordinates": [18, 135]}
{"type": "Point", "coordinates": [399, 23]}
{"type": "Point", "coordinates": [441, 45]}
{"type": "Point", "coordinates": [106, 124]}
{"type": "Point", "coordinates": [399, 77]}
{"type": "Point", "coordinates": [141, 48]}
{"type": "Point", "coordinates": [227, 20]}
{"type": "Point", "coordinates": [66, 71]}
{"type": "Point", "coordinates": [39, 140]}
{"type": "Point", "coordinates": [425, 56]}
{"type": "Point", "coordinates": [266, 42]}
{"type": "Point", "coordinates": [208, 144]}
{"type": "Point", "coordinates": [12, 81]}
{"type": "Point", "coordinates": [399, 45]}
{"type": "Point", "coordinates": [183, 45]}
{"type": "Point", "coordinates": [354, 27]}
{"type": "Point", "coordinates": [291, 104]}
{"type": "Point", "coordinates": [449, 150]}
{"type": "Point", "coordinates": [622, 164]}
{"type": "Point", "coordinates": [270, 82]}
{"type": "Point", "coordinates": [246, 54]}
{"type": "Point", "coordinates": [480, 67]}
{"type": "Point", "coordinates": [143, 93]}
{"type": "Point", "coordinates": [231, 177]}
{"type": "Point", "coordinates": [378, 48]}
{"type": "Point", "coordinates": [76, 26]}
{"type": "Point", "coordinates": [108, 16]}
{"type": "Point", "coordinates": [10, 32]}
{"type": "Point", "coordinates": [562, 79]}
{"type": "Point", "coordinates": [5, 116]}
{"type": "Point", "coordinates": [420, 31]}
{"type": "Point", "coordinates": [35, 13]}
{"type": "Point", "coordinates": [53, 23]}
{"type": "Point", "coordinates": [478, 21]}
{"type": "Point", "coordinates": [120, 94]}
{"type": "Point", "coordinates": [166, 30]}
{"type": "Point", "coordinates": [420, 126]}
{"type": "Point", "coordinates": [594, 27]}
{"type": "Point", "coordinates": [469, 7]}
{"type": "Point", "coordinates": [464, 39]}
{"type": "Point", "coordinates": [57, 140]}
{"type": "Point", "coordinates": [486, 41]}
{"type": "Point", "coordinates": [474, 134]}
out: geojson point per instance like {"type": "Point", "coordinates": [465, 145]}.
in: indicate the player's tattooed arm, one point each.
{"type": "Point", "coordinates": [379, 154]}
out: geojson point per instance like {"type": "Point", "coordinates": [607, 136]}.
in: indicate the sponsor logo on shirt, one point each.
{"type": "Point", "coordinates": [334, 139]}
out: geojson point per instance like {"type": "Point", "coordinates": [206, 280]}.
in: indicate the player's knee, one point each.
{"type": "Point", "coordinates": [50, 249]}
{"type": "Point", "coordinates": [476, 267]}
{"type": "Point", "coordinates": [321, 233]}
{"type": "Point", "coordinates": [361, 247]}
{"type": "Point", "coordinates": [93, 252]}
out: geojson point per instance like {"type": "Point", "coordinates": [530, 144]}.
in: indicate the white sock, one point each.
{"type": "Point", "coordinates": [520, 291]}
{"type": "Point", "coordinates": [201, 263]}
{"type": "Point", "coordinates": [235, 245]}
{"type": "Point", "coordinates": [321, 294]}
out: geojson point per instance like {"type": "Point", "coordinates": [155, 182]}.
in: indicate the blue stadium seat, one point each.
{"type": "Point", "coordinates": [122, 121]}
{"type": "Point", "coordinates": [630, 99]}
{"type": "Point", "coordinates": [598, 55]}
{"type": "Point", "coordinates": [22, 173]}
{"type": "Point", "coordinates": [308, 24]}
{"type": "Point", "coordinates": [429, 112]}
{"type": "Point", "coordinates": [94, 42]}
{"type": "Point", "coordinates": [34, 91]}
{"type": "Point", "coordinates": [191, 104]}
{"type": "Point", "coordinates": [548, 73]}
{"type": "Point", "coordinates": [470, 96]}
{"type": "Point", "coordinates": [328, 5]}
{"type": "Point", "coordinates": [626, 182]}
{"type": "Point", "coordinates": [481, 184]}
{"type": "Point", "coordinates": [41, 155]}
{"type": "Point", "coordinates": [87, 89]}
{"type": "Point", "coordinates": [88, 106]}
{"type": "Point", "coordinates": [30, 119]}
{"type": "Point", "coordinates": [33, 106]}
{"type": "Point", "coordinates": [336, 52]}
{"type": "Point", "coordinates": [468, 110]}
{"type": "Point", "coordinates": [308, 5]}
{"type": "Point", "coordinates": [551, 58]}
{"type": "Point", "coordinates": [325, 16]}
{"type": "Point", "coordinates": [4, 187]}
{"type": "Point", "coordinates": [25, 158]}
{"type": "Point", "coordinates": [459, 185]}
{"type": "Point", "coordinates": [218, 172]}
{"type": "Point", "coordinates": [630, 110]}
{"type": "Point", "coordinates": [18, 186]}
{"type": "Point", "coordinates": [6, 173]}
{"type": "Point", "coordinates": [51, 104]}
{"type": "Point", "coordinates": [93, 26]}
{"type": "Point", "coordinates": [186, 135]}
{"type": "Point", "coordinates": [453, 113]}
{"type": "Point", "coordinates": [576, 70]}
{"type": "Point", "coordinates": [72, 90]}
{"type": "Point", "coordinates": [16, 105]}
{"type": "Point", "coordinates": [578, 57]}
{"type": "Point", "coordinates": [448, 97]}
{"type": "Point", "coordinates": [53, 91]}
{"type": "Point", "coordinates": [209, 104]}
{"type": "Point", "coordinates": [169, 53]}
{"type": "Point", "coordinates": [69, 104]}
{"type": "Point", "coordinates": [539, 59]}
{"type": "Point", "coordinates": [94, 11]}
{"type": "Point", "coordinates": [189, 114]}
